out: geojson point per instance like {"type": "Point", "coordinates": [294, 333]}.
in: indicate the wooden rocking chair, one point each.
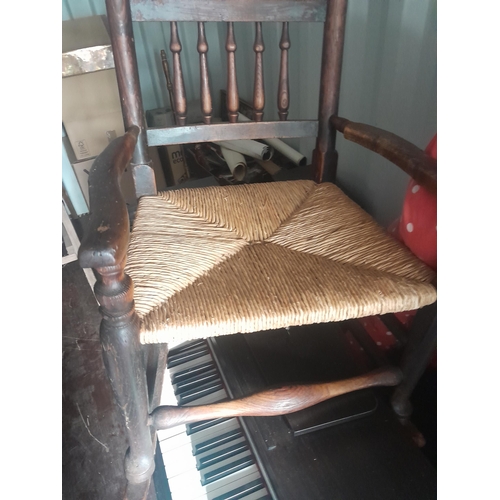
{"type": "Point", "coordinates": [238, 259]}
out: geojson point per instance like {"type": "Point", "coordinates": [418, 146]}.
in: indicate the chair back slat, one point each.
{"type": "Point", "coordinates": [191, 134]}
{"type": "Point", "coordinates": [180, 101]}
{"type": "Point", "coordinates": [258, 88]}
{"type": "Point", "coordinates": [205, 95]}
{"type": "Point", "coordinates": [229, 11]}
{"type": "Point", "coordinates": [283, 85]}
{"type": "Point", "coordinates": [233, 103]}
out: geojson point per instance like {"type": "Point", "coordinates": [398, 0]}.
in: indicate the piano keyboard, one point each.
{"type": "Point", "coordinates": [211, 459]}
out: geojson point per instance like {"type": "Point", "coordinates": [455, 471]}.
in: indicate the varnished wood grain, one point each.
{"type": "Point", "coordinates": [399, 151]}
{"type": "Point", "coordinates": [123, 359]}
{"type": "Point", "coordinates": [232, 85]}
{"type": "Point", "coordinates": [324, 155]}
{"type": "Point", "coordinates": [106, 240]}
{"type": "Point", "coordinates": [205, 95]}
{"type": "Point", "coordinates": [231, 131]}
{"type": "Point", "coordinates": [274, 401]}
{"type": "Point", "coordinates": [179, 90]}
{"type": "Point", "coordinates": [127, 75]}
{"type": "Point", "coordinates": [283, 86]}
{"type": "Point", "coordinates": [235, 10]}
{"type": "Point", "coordinates": [258, 87]}
{"type": "Point", "coordinates": [325, 464]}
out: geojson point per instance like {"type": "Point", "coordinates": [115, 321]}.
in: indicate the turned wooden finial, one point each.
{"type": "Point", "coordinates": [233, 103]}
{"type": "Point", "coordinates": [205, 96]}
{"type": "Point", "coordinates": [179, 91]}
{"type": "Point", "coordinates": [258, 90]}
{"type": "Point", "coordinates": [283, 88]}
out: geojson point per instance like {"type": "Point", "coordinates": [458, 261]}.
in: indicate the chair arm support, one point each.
{"type": "Point", "coordinates": [106, 241]}
{"type": "Point", "coordinates": [402, 153]}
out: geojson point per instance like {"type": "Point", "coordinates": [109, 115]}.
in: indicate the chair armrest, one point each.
{"type": "Point", "coordinates": [106, 241]}
{"type": "Point", "coordinates": [402, 153]}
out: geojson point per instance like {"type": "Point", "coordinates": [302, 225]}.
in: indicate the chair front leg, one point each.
{"type": "Point", "coordinates": [124, 363]}
{"type": "Point", "coordinates": [416, 357]}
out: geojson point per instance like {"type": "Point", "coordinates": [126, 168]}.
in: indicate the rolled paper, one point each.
{"type": "Point", "coordinates": [236, 163]}
{"type": "Point", "coordinates": [293, 155]}
{"type": "Point", "coordinates": [250, 148]}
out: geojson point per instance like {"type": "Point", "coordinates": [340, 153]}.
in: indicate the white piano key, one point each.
{"type": "Point", "coordinates": [210, 398]}
{"type": "Point", "coordinates": [219, 450]}
{"type": "Point", "coordinates": [236, 481]}
{"type": "Point", "coordinates": [175, 442]}
{"type": "Point", "coordinates": [167, 391]}
{"type": "Point", "coordinates": [188, 486]}
{"type": "Point", "coordinates": [223, 466]}
{"type": "Point", "coordinates": [215, 397]}
{"type": "Point", "coordinates": [177, 447]}
{"type": "Point", "coordinates": [184, 460]}
{"type": "Point", "coordinates": [170, 451]}
{"type": "Point", "coordinates": [207, 377]}
{"type": "Point", "coordinates": [173, 431]}
{"type": "Point", "coordinates": [257, 495]}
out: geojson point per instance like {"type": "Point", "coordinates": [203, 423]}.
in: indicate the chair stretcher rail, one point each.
{"type": "Point", "coordinates": [274, 401]}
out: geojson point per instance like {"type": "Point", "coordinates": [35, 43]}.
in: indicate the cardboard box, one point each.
{"type": "Point", "coordinates": [91, 111]}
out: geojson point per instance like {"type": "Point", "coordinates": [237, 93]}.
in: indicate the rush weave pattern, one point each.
{"type": "Point", "coordinates": [239, 259]}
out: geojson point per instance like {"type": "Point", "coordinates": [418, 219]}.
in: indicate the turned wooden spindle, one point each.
{"type": "Point", "coordinates": [283, 87]}
{"type": "Point", "coordinates": [166, 72]}
{"type": "Point", "coordinates": [233, 103]}
{"type": "Point", "coordinates": [206, 98]}
{"type": "Point", "coordinates": [179, 91]}
{"type": "Point", "coordinates": [274, 401]}
{"type": "Point", "coordinates": [258, 89]}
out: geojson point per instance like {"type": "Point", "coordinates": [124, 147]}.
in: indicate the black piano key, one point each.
{"type": "Point", "coordinates": [220, 455]}
{"type": "Point", "coordinates": [203, 424]}
{"type": "Point", "coordinates": [212, 443]}
{"type": "Point", "coordinates": [199, 392]}
{"type": "Point", "coordinates": [242, 491]}
{"type": "Point", "coordinates": [185, 346]}
{"type": "Point", "coordinates": [189, 372]}
{"type": "Point", "coordinates": [184, 357]}
{"type": "Point", "coordinates": [199, 379]}
{"type": "Point", "coordinates": [222, 472]}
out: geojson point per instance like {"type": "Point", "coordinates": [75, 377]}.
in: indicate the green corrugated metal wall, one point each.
{"type": "Point", "coordinates": [388, 80]}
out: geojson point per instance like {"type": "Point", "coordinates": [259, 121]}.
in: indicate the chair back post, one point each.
{"type": "Point", "coordinates": [127, 74]}
{"type": "Point", "coordinates": [324, 155]}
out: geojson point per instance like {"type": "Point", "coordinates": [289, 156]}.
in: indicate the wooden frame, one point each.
{"type": "Point", "coordinates": [105, 245]}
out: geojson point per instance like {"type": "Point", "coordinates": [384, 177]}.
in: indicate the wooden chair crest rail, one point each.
{"type": "Point", "coordinates": [164, 282]}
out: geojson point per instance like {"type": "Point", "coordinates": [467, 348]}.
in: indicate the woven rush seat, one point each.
{"type": "Point", "coordinates": [239, 259]}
